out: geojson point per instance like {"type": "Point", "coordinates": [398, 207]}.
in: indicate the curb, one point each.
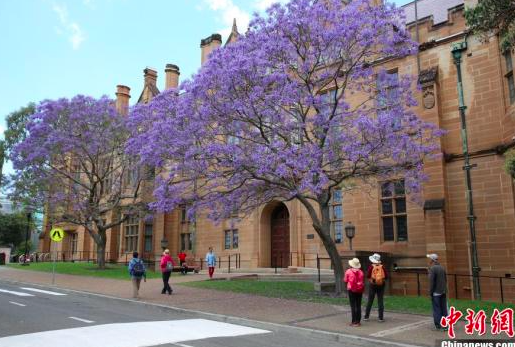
{"type": "Point", "coordinates": [275, 327]}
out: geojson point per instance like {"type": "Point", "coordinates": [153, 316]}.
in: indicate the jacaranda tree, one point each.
{"type": "Point", "coordinates": [74, 153]}
{"type": "Point", "coordinates": [291, 111]}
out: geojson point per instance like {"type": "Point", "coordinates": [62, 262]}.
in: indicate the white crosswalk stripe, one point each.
{"type": "Point", "coordinates": [123, 334]}
{"type": "Point", "coordinates": [15, 292]}
{"type": "Point", "coordinates": [82, 320]}
{"type": "Point", "coordinates": [17, 303]}
{"type": "Point", "coordinates": [42, 291]}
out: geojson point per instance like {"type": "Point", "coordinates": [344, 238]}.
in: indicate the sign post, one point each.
{"type": "Point", "coordinates": [57, 235]}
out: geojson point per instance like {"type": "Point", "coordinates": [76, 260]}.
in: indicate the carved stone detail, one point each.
{"type": "Point", "coordinates": [428, 97]}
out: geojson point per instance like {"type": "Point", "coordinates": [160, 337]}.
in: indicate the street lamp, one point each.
{"type": "Point", "coordinates": [164, 243]}
{"type": "Point", "coordinates": [350, 232]}
{"type": "Point", "coordinates": [29, 215]}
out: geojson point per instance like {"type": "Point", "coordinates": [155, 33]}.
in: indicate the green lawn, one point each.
{"type": "Point", "coordinates": [114, 271]}
{"type": "Point", "coordinates": [303, 291]}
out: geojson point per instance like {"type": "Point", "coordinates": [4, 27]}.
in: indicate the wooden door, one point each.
{"type": "Point", "coordinates": [280, 229]}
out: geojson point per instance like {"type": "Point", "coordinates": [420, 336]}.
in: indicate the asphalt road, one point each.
{"type": "Point", "coordinates": [32, 317]}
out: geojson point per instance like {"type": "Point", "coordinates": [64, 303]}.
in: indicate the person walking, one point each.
{"type": "Point", "coordinates": [437, 290]}
{"type": "Point", "coordinates": [354, 278]}
{"type": "Point", "coordinates": [182, 261]}
{"type": "Point", "coordinates": [167, 266]}
{"type": "Point", "coordinates": [377, 276]}
{"type": "Point", "coordinates": [211, 262]}
{"type": "Point", "coordinates": [137, 271]}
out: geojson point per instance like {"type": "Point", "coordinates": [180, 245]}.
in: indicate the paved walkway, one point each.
{"type": "Point", "coordinates": [407, 328]}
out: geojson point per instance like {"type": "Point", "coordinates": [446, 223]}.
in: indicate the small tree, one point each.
{"type": "Point", "coordinates": [293, 110]}
{"type": "Point", "coordinates": [21, 189]}
{"type": "Point", "coordinates": [73, 160]}
{"type": "Point", "coordinates": [509, 163]}
{"type": "Point", "coordinates": [13, 227]}
{"type": "Point", "coordinates": [494, 16]}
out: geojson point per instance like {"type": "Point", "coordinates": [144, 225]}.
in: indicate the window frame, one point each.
{"type": "Point", "coordinates": [333, 220]}
{"type": "Point", "coordinates": [394, 215]}
{"type": "Point", "coordinates": [148, 236]}
{"type": "Point", "coordinates": [229, 235]}
{"type": "Point", "coordinates": [131, 239]}
{"type": "Point", "coordinates": [186, 241]}
{"type": "Point", "coordinates": [384, 105]}
{"type": "Point", "coordinates": [74, 238]}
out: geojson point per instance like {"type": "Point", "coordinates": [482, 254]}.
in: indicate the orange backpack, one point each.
{"type": "Point", "coordinates": [378, 275]}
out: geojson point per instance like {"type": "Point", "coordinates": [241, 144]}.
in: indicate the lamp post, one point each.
{"type": "Point", "coordinates": [29, 215]}
{"type": "Point", "coordinates": [350, 232]}
{"type": "Point", "coordinates": [164, 243]}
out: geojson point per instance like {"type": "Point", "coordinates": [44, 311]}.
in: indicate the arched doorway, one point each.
{"type": "Point", "coordinates": [280, 236]}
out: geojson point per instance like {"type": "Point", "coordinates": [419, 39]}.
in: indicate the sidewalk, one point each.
{"type": "Point", "coordinates": [399, 327]}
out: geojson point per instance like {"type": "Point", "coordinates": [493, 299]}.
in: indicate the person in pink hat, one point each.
{"type": "Point", "coordinates": [354, 278]}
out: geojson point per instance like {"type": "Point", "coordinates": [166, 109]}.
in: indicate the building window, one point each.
{"type": "Point", "coordinates": [131, 175]}
{"type": "Point", "coordinates": [184, 215]}
{"type": "Point", "coordinates": [148, 238]}
{"type": "Point", "coordinates": [393, 211]}
{"type": "Point", "coordinates": [186, 242]}
{"type": "Point", "coordinates": [73, 243]}
{"type": "Point", "coordinates": [388, 94]}
{"type": "Point", "coordinates": [231, 239]}
{"type": "Point", "coordinates": [509, 76]}
{"type": "Point", "coordinates": [337, 216]}
{"type": "Point", "coordinates": [131, 226]}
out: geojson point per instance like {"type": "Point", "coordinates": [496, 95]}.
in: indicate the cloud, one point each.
{"type": "Point", "coordinates": [70, 28]}
{"type": "Point", "coordinates": [227, 11]}
{"type": "Point", "coordinates": [262, 5]}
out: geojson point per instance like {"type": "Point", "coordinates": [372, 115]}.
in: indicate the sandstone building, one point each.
{"type": "Point", "coordinates": [385, 220]}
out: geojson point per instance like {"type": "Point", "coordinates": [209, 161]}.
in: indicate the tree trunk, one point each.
{"type": "Point", "coordinates": [100, 240]}
{"type": "Point", "coordinates": [323, 229]}
{"type": "Point", "coordinates": [101, 257]}
{"type": "Point", "coordinates": [331, 249]}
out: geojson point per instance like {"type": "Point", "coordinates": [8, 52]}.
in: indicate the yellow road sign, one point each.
{"type": "Point", "coordinates": [57, 234]}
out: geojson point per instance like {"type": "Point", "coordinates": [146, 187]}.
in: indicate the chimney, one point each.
{"type": "Point", "coordinates": [208, 45]}
{"type": "Point", "coordinates": [123, 94]}
{"type": "Point", "coordinates": [172, 76]}
{"type": "Point", "coordinates": [150, 76]}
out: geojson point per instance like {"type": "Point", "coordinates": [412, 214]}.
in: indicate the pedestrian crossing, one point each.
{"type": "Point", "coordinates": [24, 293]}
{"type": "Point", "coordinates": [42, 291]}
{"type": "Point", "coordinates": [151, 333]}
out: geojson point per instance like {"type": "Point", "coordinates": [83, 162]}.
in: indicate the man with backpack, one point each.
{"type": "Point", "coordinates": [355, 287]}
{"type": "Point", "coordinates": [376, 275]}
{"type": "Point", "coordinates": [137, 271]}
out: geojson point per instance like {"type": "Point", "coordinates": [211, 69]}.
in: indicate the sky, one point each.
{"type": "Point", "coordinates": [57, 48]}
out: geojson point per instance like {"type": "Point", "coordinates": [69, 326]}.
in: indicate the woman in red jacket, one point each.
{"type": "Point", "coordinates": [354, 278]}
{"type": "Point", "coordinates": [167, 265]}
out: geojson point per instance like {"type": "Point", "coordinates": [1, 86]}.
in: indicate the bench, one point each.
{"type": "Point", "coordinates": [190, 268]}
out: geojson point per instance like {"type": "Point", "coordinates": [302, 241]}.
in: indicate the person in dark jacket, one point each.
{"type": "Point", "coordinates": [376, 275]}
{"type": "Point", "coordinates": [437, 289]}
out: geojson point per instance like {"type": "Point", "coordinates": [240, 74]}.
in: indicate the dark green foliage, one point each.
{"type": "Point", "coordinates": [16, 121]}
{"type": "Point", "coordinates": [13, 228]}
{"type": "Point", "coordinates": [509, 164]}
{"type": "Point", "coordinates": [494, 16]}
{"type": "Point", "coordinates": [21, 187]}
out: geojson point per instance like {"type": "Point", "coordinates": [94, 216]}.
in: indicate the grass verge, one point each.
{"type": "Point", "coordinates": [303, 291]}
{"type": "Point", "coordinates": [114, 271]}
